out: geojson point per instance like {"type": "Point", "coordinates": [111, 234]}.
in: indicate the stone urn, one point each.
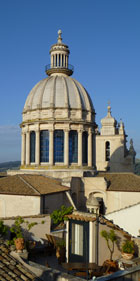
{"type": "Point", "coordinates": [19, 243]}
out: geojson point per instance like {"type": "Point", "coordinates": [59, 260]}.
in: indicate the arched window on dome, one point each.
{"type": "Point", "coordinates": [58, 146]}
{"type": "Point", "coordinates": [85, 147]}
{"type": "Point", "coordinates": [73, 147]}
{"type": "Point", "coordinates": [107, 151]}
{"type": "Point", "coordinates": [44, 146]}
{"type": "Point", "coordinates": [32, 147]}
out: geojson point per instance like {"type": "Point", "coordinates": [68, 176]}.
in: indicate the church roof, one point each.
{"type": "Point", "coordinates": [32, 185]}
{"type": "Point", "coordinates": [127, 182]}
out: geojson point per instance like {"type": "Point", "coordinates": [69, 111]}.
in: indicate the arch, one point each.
{"type": "Point", "coordinates": [73, 147]}
{"type": "Point", "coordinates": [32, 146]}
{"type": "Point", "coordinates": [58, 146]}
{"type": "Point", "coordinates": [107, 151]}
{"type": "Point", "coordinates": [85, 148]}
{"type": "Point", "coordinates": [44, 146]}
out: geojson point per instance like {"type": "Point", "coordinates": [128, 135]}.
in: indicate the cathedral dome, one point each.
{"type": "Point", "coordinates": [58, 92]}
{"type": "Point", "coordinates": [58, 118]}
{"type": "Point", "coordinates": [59, 95]}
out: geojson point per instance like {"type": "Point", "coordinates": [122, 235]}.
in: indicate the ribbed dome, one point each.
{"type": "Point", "coordinates": [58, 92]}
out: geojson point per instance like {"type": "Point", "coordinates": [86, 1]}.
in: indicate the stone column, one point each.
{"type": "Point", "coordinates": [80, 148]}
{"type": "Point", "coordinates": [57, 60]}
{"type": "Point", "coordinates": [90, 148]}
{"type": "Point", "coordinates": [23, 147]}
{"type": "Point", "coordinates": [27, 148]}
{"type": "Point", "coordinates": [51, 148]}
{"type": "Point", "coordinates": [61, 60]}
{"type": "Point", "coordinates": [37, 148]}
{"type": "Point", "coordinates": [66, 147]}
{"type": "Point", "coordinates": [66, 61]}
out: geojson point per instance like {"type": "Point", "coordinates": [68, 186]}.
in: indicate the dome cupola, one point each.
{"type": "Point", "coordinates": [59, 58]}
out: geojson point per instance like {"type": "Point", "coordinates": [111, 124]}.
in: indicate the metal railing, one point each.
{"type": "Point", "coordinates": [50, 66]}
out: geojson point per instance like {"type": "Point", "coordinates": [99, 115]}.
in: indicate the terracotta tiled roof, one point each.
{"type": "Point", "coordinates": [122, 181]}
{"type": "Point", "coordinates": [11, 269]}
{"type": "Point", "coordinates": [87, 217]}
{"type": "Point", "coordinates": [45, 185]}
{"type": "Point", "coordinates": [34, 185]}
{"type": "Point", "coordinates": [82, 216]}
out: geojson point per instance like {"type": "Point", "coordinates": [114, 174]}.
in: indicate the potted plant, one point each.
{"type": "Point", "coordinates": [61, 250]}
{"type": "Point", "coordinates": [18, 234]}
{"type": "Point", "coordinates": [128, 249]}
{"type": "Point", "coordinates": [110, 238]}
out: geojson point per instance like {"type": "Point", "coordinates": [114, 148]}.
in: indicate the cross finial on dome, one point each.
{"type": "Point", "coordinates": [59, 39]}
{"type": "Point", "coordinates": [109, 109]}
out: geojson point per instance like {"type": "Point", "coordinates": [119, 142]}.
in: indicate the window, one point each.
{"type": "Point", "coordinates": [85, 147]}
{"type": "Point", "coordinates": [58, 146]}
{"type": "Point", "coordinates": [107, 151]}
{"type": "Point", "coordinates": [56, 60]}
{"type": "Point", "coordinates": [62, 60]}
{"type": "Point", "coordinates": [73, 147]}
{"type": "Point", "coordinates": [44, 146]}
{"type": "Point", "coordinates": [77, 239]}
{"type": "Point", "coordinates": [32, 147]}
{"type": "Point", "coordinates": [59, 59]}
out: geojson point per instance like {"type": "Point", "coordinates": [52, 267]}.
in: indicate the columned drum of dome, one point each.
{"type": "Point", "coordinates": [60, 112]}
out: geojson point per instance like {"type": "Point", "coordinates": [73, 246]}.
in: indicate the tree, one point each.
{"type": "Point", "coordinates": [110, 238]}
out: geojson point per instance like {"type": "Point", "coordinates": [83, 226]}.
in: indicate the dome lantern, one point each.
{"type": "Point", "coordinates": [59, 56]}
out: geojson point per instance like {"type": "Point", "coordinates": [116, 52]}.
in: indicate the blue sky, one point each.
{"type": "Point", "coordinates": [104, 40]}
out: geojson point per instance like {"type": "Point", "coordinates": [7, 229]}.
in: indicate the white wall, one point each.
{"type": "Point", "coordinates": [19, 205]}
{"type": "Point", "coordinates": [127, 218]}
{"type": "Point", "coordinates": [39, 231]}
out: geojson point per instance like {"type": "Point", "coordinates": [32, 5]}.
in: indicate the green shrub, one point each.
{"type": "Point", "coordinates": [128, 247]}
{"type": "Point", "coordinates": [3, 229]}
{"type": "Point", "coordinates": [58, 215]}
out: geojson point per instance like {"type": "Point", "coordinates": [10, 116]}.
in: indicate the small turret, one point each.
{"type": "Point", "coordinates": [108, 123]}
